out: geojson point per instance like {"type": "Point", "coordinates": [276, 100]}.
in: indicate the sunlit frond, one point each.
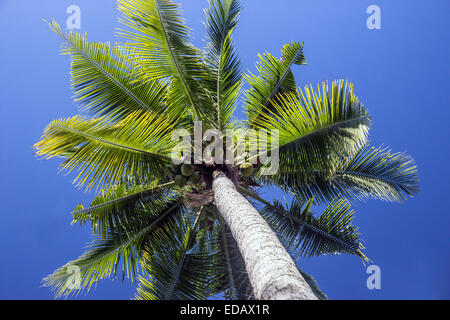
{"type": "Point", "coordinates": [140, 147]}
{"type": "Point", "coordinates": [222, 58]}
{"type": "Point", "coordinates": [316, 128]}
{"type": "Point", "coordinates": [275, 78]}
{"type": "Point", "coordinates": [117, 206]}
{"type": "Point", "coordinates": [160, 48]}
{"type": "Point", "coordinates": [104, 80]}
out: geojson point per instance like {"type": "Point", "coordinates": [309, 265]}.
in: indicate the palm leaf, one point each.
{"type": "Point", "coordinates": [177, 266]}
{"type": "Point", "coordinates": [104, 80]}
{"type": "Point", "coordinates": [225, 66]}
{"type": "Point", "coordinates": [369, 173]}
{"type": "Point", "coordinates": [117, 206]}
{"type": "Point", "coordinates": [124, 243]}
{"type": "Point", "coordinates": [303, 234]}
{"type": "Point", "coordinates": [316, 129]}
{"type": "Point", "coordinates": [138, 148]}
{"type": "Point", "coordinates": [332, 232]}
{"type": "Point", "coordinates": [275, 78]}
{"type": "Point", "coordinates": [160, 49]}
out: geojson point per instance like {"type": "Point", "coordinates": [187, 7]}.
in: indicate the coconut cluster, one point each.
{"type": "Point", "coordinates": [185, 173]}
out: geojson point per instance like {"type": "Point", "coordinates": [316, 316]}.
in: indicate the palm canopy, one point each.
{"type": "Point", "coordinates": [167, 234]}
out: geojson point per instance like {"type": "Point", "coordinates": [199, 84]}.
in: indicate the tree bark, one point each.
{"type": "Point", "coordinates": [273, 275]}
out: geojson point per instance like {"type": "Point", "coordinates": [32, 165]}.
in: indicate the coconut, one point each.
{"type": "Point", "coordinates": [180, 180]}
{"type": "Point", "coordinates": [187, 169]}
{"type": "Point", "coordinates": [246, 169]}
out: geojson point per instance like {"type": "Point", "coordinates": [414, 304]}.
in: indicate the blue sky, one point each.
{"type": "Point", "coordinates": [400, 74]}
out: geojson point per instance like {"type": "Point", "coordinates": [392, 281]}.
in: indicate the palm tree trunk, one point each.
{"type": "Point", "coordinates": [272, 273]}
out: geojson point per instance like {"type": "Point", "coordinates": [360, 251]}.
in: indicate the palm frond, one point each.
{"type": "Point", "coordinates": [177, 267]}
{"type": "Point", "coordinates": [316, 129]}
{"type": "Point", "coordinates": [138, 147]}
{"type": "Point", "coordinates": [304, 234]}
{"type": "Point", "coordinates": [104, 80]}
{"type": "Point", "coordinates": [222, 58]}
{"type": "Point", "coordinates": [160, 49]}
{"type": "Point", "coordinates": [124, 244]}
{"type": "Point", "coordinates": [117, 206]}
{"type": "Point", "coordinates": [275, 78]}
{"type": "Point", "coordinates": [369, 173]}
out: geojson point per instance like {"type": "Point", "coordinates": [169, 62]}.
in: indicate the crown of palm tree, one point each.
{"type": "Point", "coordinates": [135, 94]}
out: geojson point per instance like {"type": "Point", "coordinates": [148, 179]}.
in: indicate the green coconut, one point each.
{"type": "Point", "coordinates": [246, 169]}
{"type": "Point", "coordinates": [180, 180]}
{"type": "Point", "coordinates": [187, 169]}
{"type": "Point", "coordinates": [194, 178]}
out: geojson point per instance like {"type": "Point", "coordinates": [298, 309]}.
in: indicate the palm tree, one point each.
{"type": "Point", "coordinates": [214, 233]}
